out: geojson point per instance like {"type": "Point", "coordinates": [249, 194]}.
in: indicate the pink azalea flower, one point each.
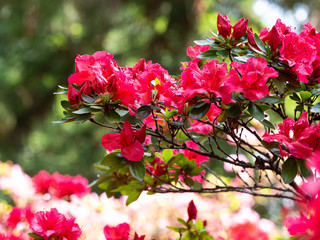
{"type": "Point", "coordinates": [55, 225]}
{"type": "Point", "coordinates": [246, 231]}
{"type": "Point", "coordinates": [120, 232]}
{"type": "Point", "coordinates": [299, 137]}
{"type": "Point", "coordinates": [254, 76]}
{"type": "Point", "coordinates": [42, 181]}
{"type": "Point", "coordinates": [224, 27]}
{"type": "Point", "coordinates": [128, 141]}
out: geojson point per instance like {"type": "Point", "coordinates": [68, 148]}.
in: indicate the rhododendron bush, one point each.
{"type": "Point", "coordinates": [243, 116]}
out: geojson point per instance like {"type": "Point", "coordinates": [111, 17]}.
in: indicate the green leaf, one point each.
{"type": "Point", "coordinates": [223, 53]}
{"type": "Point", "coordinates": [128, 188]}
{"type": "Point", "coordinates": [137, 170]}
{"type": "Point", "coordinates": [305, 172]}
{"type": "Point", "coordinates": [83, 111]}
{"type": "Point", "coordinates": [143, 112]}
{"type": "Point", "coordinates": [112, 116]}
{"type": "Point", "coordinates": [83, 117]}
{"type": "Point", "coordinates": [35, 236]}
{"type": "Point", "coordinates": [59, 121]}
{"type": "Point", "coordinates": [87, 99]}
{"type": "Point", "coordinates": [295, 97]}
{"type": "Point", "coordinates": [305, 95]}
{"type": "Point", "coordinates": [181, 221]}
{"type": "Point", "coordinates": [256, 111]}
{"type": "Point", "coordinates": [271, 100]}
{"type": "Point", "coordinates": [167, 154]}
{"type": "Point", "coordinates": [268, 124]}
{"type": "Point", "coordinates": [207, 55]}
{"type": "Point", "coordinates": [272, 147]}
{"type": "Point", "coordinates": [316, 108]}
{"type": "Point", "coordinates": [242, 59]}
{"type": "Point", "coordinates": [234, 111]}
{"type": "Point", "coordinates": [133, 196]}
{"type": "Point", "coordinates": [289, 170]}
{"type": "Point", "coordinates": [203, 42]}
{"type": "Point", "coordinates": [189, 181]}
{"type": "Point", "coordinates": [316, 92]}
{"type": "Point", "coordinates": [200, 112]}
{"type": "Point", "coordinates": [114, 161]}
{"type": "Point", "coordinates": [259, 43]}
{"type": "Point", "coordinates": [65, 104]}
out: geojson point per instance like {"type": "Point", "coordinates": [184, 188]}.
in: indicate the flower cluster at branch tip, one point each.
{"type": "Point", "coordinates": [234, 85]}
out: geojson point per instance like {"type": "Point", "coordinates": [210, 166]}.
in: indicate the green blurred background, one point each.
{"type": "Point", "coordinates": [40, 39]}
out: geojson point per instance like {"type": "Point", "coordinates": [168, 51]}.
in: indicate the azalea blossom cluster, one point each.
{"type": "Point", "coordinates": [247, 100]}
{"type": "Point", "coordinates": [97, 217]}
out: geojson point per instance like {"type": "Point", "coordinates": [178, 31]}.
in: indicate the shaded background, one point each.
{"type": "Point", "coordinates": [40, 39]}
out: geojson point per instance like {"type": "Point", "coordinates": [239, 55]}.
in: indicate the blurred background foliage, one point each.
{"type": "Point", "coordinates": [40, 39]}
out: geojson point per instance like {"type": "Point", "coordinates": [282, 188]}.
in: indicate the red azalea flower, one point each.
{"type": "Point", "coordinates": [18, 215]}
{"type": "Point", "coordinates": [254, 76]}
{"type": "Point", "coordinates": [128, 141]}
{"type": "Point", "coordinates": [54, 224]}
{"type": "Point", "coordinates": [120, 232]}
{"type": "Point", "coordinates": [299, 137]}
{"type": "Point", "coordinates": [211, 79]}
{"type": "Point", "coordinates": [299, 55]}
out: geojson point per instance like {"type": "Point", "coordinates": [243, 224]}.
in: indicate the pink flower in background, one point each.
{"type": "Point", "coordinates": [128, 141]}
{"type": "Point", "coordinates": [246, 231]}
{"type": "Point", "coordinates": [53, 224]}
{"type": "Point", "coordinates": [254, 76]}
{"type": "Point", "coordinates": [120, 232]}
{"type": "Point", "coordinates": [65, 185]}
{"type": "Point", "coordinates": [18, 215]}
{"type": "Point", "coordinates": [60, 185]}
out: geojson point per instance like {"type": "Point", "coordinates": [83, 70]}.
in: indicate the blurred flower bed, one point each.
{"type": "Point", "coordinates": [227, 216]}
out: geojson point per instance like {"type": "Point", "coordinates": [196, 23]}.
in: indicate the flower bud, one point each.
{"type": "Point", "coordinates": [192, 211]}
{"type": "Point", "coordinates": [274, 39]}
{"type": "Point", "coordinates": [73, 95]}
{"type": "Point", "coordinates": [240, 28]}
{"type": "Point", "coordinates": [224, 25]}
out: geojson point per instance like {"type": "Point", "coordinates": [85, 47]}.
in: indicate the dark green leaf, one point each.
{"type": "Point", "coordinates": [87, 99]}
{"type": "Point", "coordinates": [83, 111]}
{"type": "Point", "coordinates": [289, 170]}
{"type": "Point", "coordinates": [268, 124]}
{"type": "Point", "coordinates": [128, 188]}
{"type": "Point", "coordinates": [234, 111]}
{"type": "Point", "coordinates": [181, 221]}
{"type": "Point", "coordinates": [133, 196]}
{"type": "Point", "coordinates": [143, 112]}
{"type": "Point", "coordinates": [83, 117]}
{"type": "Point", "coordinates": [272, 147]}
{"type": "Point", "coordinates": [200, 112]}
{"type": "Point", "coordinates": [295, 97]}
{"type": "Point", "coordinates": [223, 53]}
{"type": "Point", "coordinates": [242, 59]}
{"type": "Point", "coordinates": [65, 104]}
{"type": "Point", "coordinates": [305, 172]}
{"type": "Point", "coordinates": [271, 100]}
{"type": "Point", "coordinates": [175, 159]}
{"type": "Point", "coordinates": [207, 55]}
{"type": "Point", "coordinates": [137, 170]}
{"type": "Point", "coordinates": [189, 181]}
{"type": "Point", "coordinates": [114, 161]}
{"type": "Point", "coordinates": [259, 43]}
{"type": "Point", "coordinates": [112, 116]}
{"type": "Point", "coordinates": [316, 108]}
{"type": "Point", "coordinates": [256, 111]}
